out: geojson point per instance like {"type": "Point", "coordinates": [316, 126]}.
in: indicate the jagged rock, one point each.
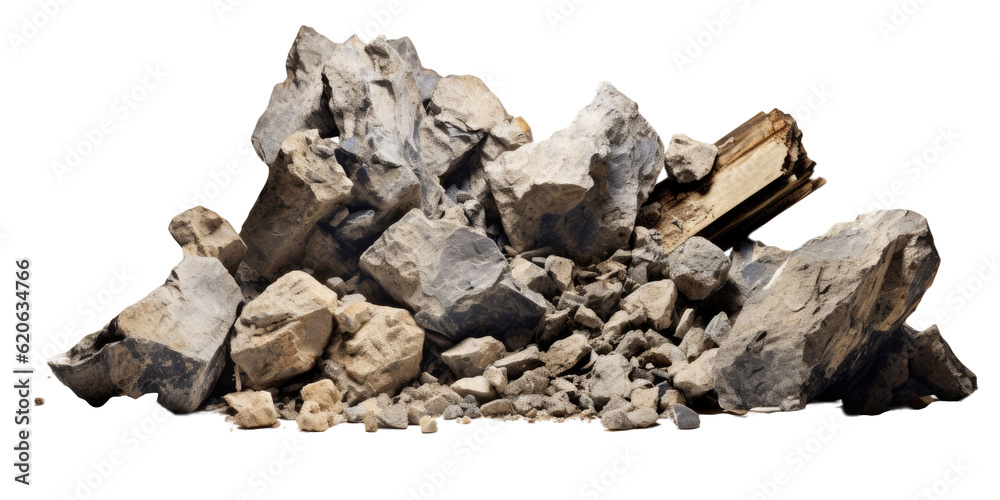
{"type": "Point", "coordinates": [580, 190]}
{"type": "Point", "coordinates": [371, 422]}
{"type": "Point", "coordinates": [587, 318]}
{"type": "Point", "coordinates": [517, 363]}
{"type": "Point", "coordinates": [455, 279]}
{"type": "Point", "coordinates": [381, 356]}
{"type": "Point", "coordinates": [609, 378]}
{"type": "Point", "coordinates": [171, 343]}
{"type": "Point", "coordinates": [200, 231]}
{"type": "Point", "coordinates": [648, 251]}
{"type": "Point", "coordinates": [560, 269]}
{"type": "Point", "coordinates": [823, 316]}
{"type": "Point", "coordinates": [478, 387]}
{"type": "Point", "coordinates": [305, 184]}
{"type": "Point", "coordinates": [695, 343]}
{"type": "Point", "coordinates": [652, 303]}
{"type": "Point", "coordinates": [325, 394]}
{"type": "Point", "coordinates": [909, 365]}
{"type": "Point", "coordinates": [428, 424]}
{"type": "Point", "coordinates": [718, 329]}
{"type": "Point", "coordinates": [645, 398]}
{"type": "Point", "coordinates": [471, 356]}
{"type": "Point", "coordinates": [632, 343]}
{"type": "Point", "coordinates": [698, 268]}
{"type": "Point", "coordinates": [627, 418]}
{"type": "Point", "coordinates": [533, 277]}
{"type": "Point", "coordinates": [532, 382]}
{"type": "Point", "coordinates": [565, 354]}
{"type": "Point", "coordinates": [602, 297]}
{"type": "Point", "coordinates": [497, 408]}
{"type": "Point", "coordinates": [753, 266]}
{"type": "Point", "coordinates": [663, 355]}
{"type": "Point", "coordinates": [497, 377]}
{"type": "Point", "coordinates": [460, 115]}
{"type": "Point", "coordinates": [297, 103]}
{"type": "Point", "coordinates": [282, 333]}
{"type": "Point", "coordinates": [254, 409]}
{"type": "Point", "coordinates": [698, 377]}
{"type": "Point", "coordinates": [684, 324]}
{"type": "Point", "coordinates": [452, 412]}
{"type": "Point", "coordinates": [684, 417]}
{"type": "Point", "coordinates": [355, 414]}
{"type": "Point", "coordinates": [393, 417]}
{"type": "Point", "coordinates": [689, 160]}
{"type": "Point", "coordinates": [669, 398]}
{"type": "Point", "coordinates": [376, 104]}
{"type": "Point", "coordinates": [552, 324]}
{"type": "Point", "coordinates": [312, 418]}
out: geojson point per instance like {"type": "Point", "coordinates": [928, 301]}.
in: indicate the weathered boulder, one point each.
{"type": "Point", "coordinates": [283, 332]}
{"type": "Point", "coordinates": [200, 231]}
{"type": "Point", "coordinates": [689, 160]}
{"type": "Point", "coordinates": [698, 267]}
{"type": "Point", "coordinates": [297, 103]}
{"type": "Point", "coordinates": [382, 356]}
{"type": "Point", "coordinates": [305, 184]}
{"type": "Point", "coordinates": [824, 314]}
{"type": "Point", "coordinates": [580, 190]}
{"type": "Point", "coordinates": [171, 343]}
{"type": "Point", "coordinates": [455, 279]}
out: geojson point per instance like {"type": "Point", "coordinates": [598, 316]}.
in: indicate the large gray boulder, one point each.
{"type": "Point", "coordinates": [297, 103]}
{"type": "Point", "coordinates": [454, 278]}
{"type": "Point", "coordinates": [171, 343]}
{"type": "Point", "coordinates": [580, 190]}
{"type": "Point", "coordinates": [283, 332]}
{"type": "Point", "coordinates": [305, 185]}
{"type": "Point", "coordinates": [826, 311]}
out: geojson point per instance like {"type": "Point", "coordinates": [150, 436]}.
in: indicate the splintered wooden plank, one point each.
{"type": "Point", "coordinates": [761, 170]}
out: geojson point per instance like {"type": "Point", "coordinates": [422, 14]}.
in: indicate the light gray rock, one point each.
{"type": "Point", "coordinates": [477, 387]}
{"type": "Point", "coordinates": [647, 250]}
{"type": "Point", "coordinates": [533, 277]}
{"type": "Point", "coordinates": [297, 103]}
{"type": "Point", "coordinates": [753, 266]}
{"type": "Point", "coordinates": [718, 329]}
{"type": "Point", "coordinates": [200, 231]}
{"type": "Point", "coordinates": [532, 382]}
{"type": "Point", "coordinates": [698, 377]}
{"type": "Point", "coordinates": [609, 378]}
{"type": "Point", "coordinates": [305, 184]}
{"type": "Point", "coordinates": [586, 317]}
{"type": "Point", "coordinates": [452, 412]}
{"type": "Point", "coordinates": [393, 417]}
{"type": "Point", "coordinates": [283, 332]}
{"type": "Point", "coordinates": [689, 160]}
{"type": "Point", "coordinates": [560, 269]}
{"type": "Point", "coordinates": [698, 267]}
{"type": "Point", "coordinates": [497, 377]}
{"type": "Point", "coordinates": [653, 303]}
{"type": "Point", "coordinates": [826, 312]}
{"type": "Point", "coordinates": [684, 417]}
{"type": "Point", "coordinates": [455, 279]}
{"type": "Point", "coordinates": [497, 408]}
{"type": "Point", "coordinates": [382, 356]}
{"type": "Point", "coordinates": [580, 190]}
{"type": "Point", "coordinates": [470, 357]}
{"type": "Point", "coordinates": [171, 343]}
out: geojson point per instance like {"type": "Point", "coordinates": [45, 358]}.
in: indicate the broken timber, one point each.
{"type": "Point", "coordinates": [761, 170]}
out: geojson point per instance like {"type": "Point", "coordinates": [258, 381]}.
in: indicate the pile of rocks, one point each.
{"type": "Point", "coordinates": [414, 255]}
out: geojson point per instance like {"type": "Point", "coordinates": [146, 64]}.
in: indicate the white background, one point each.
{"type": "Point", "coordinates": [871, 91]}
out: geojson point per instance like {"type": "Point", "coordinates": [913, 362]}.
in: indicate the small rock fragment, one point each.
{"type": "Point", "coordinates": [471, 356]}
{"type": "Point", "coordinates": [684, 417]}
{"type": "Point", "coordinates": [254, 409]}
{"type": "Point", "coordinates": [698, 268]}
{"type": "Point", "coordinates": [689, 160]}
{"type": "Point", "coordinates": [428, 424]}
{"type": "Point", "coordinates": [200, 231]}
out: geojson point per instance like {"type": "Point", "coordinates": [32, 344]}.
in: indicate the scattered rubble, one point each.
{"type": "Point", "coordinates": [413, 255]}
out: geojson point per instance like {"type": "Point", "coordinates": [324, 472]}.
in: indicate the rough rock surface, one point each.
{"type": "Point", "coordinates": [455, 279]}
{"type": "Point", "coordinates": [470, 357]}
{"type": "Point", "coordinates": [580, 190]}
{"type": "Point", "coordinates": [283, 332]}
{"type": "Point", "coordinates": [689, 160]}
{"type": "Point", "coordinates": [698, 268]}
{"type": "Point", "coordinates": [826, 311]}
{"type": "Point", "coordinates": [254, 409]}
{"type": "Point", "coordinates": [652, 303]}
{"type": "Point", "coordinates": [383, 355]}
{"type": "Point", "coordinates": [171, 343]}
{"type": "Point", "coordinates": [200, 231]}
{"type": "Point", "coordinates": [305, 184]}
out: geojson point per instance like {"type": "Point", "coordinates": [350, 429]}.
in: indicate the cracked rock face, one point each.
{"type": "Point", "coordinates": [305, 184]}
{"type": "Point", "coordinates": [455, 279]}
{"type": "Point", "coordinates": [282, 333]}
{"type": "Point", "coordinates": [826, 311]}
{"type": "Point", "coordinates": [171, 343]}
{"type": "Point", "coordinates": [580, 190]}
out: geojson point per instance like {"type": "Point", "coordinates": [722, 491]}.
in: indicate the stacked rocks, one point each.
{"type": "Point", "coordinates": [413, 255]}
